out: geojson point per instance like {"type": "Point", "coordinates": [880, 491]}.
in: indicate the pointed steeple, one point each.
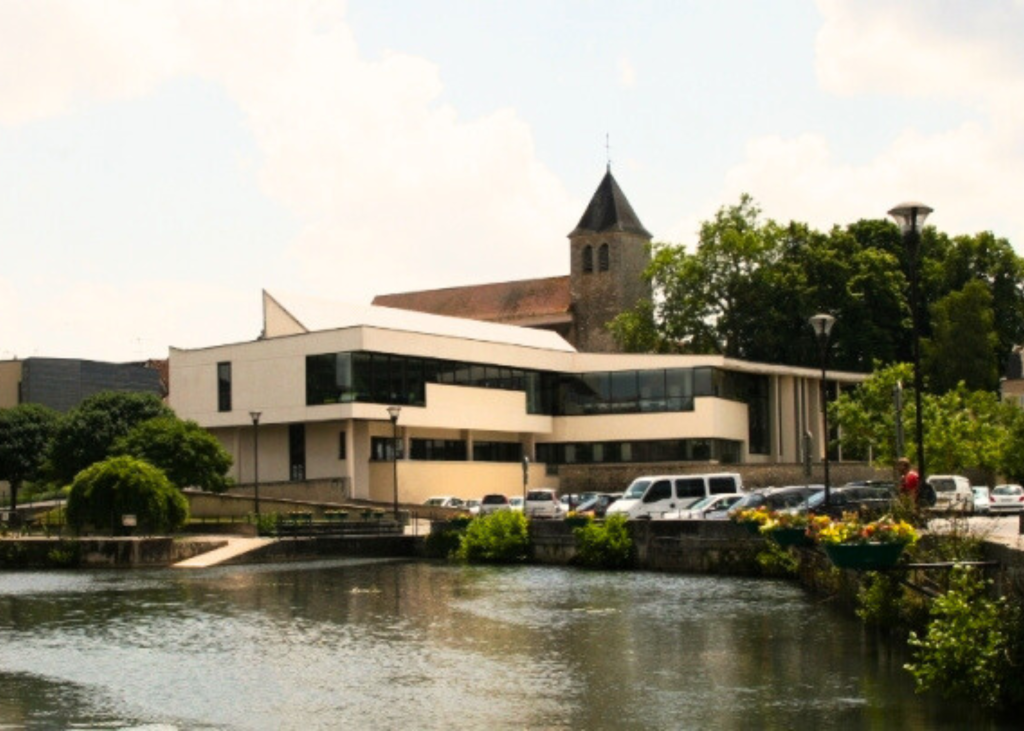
{"type": "Point", "coordinates": [609, 211]}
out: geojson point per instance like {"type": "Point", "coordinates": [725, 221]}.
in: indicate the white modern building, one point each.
{"type": "Point", "coordinates": [476, 398]}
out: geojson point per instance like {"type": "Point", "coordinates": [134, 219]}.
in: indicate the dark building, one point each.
{"type": "Point", "coordinates": [63, 383]}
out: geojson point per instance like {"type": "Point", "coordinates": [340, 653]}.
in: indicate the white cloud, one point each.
{"type": "Point", "coordinates": [391, 188]}
{"type": "Point", "coordinates": [969, 173]}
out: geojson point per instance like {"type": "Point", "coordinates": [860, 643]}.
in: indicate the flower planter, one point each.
{"type": "Point", "coordinates": [864, 556]}
{"type": "Point", "coordinates": [752, 527]}
{"type": "Point", "coordinates": [786, 537]}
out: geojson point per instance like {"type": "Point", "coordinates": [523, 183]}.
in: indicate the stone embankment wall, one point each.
{"type": "Point", "coordinates": [689, 546]}
{"type": "Point", "coordinates": [99, 552]}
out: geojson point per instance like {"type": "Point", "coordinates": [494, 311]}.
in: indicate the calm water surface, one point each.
{"type": "Point", "coordinates": [402, 645]}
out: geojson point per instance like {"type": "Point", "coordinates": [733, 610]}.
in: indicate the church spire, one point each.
{"type": "Point", "coordinates": [609, 210]}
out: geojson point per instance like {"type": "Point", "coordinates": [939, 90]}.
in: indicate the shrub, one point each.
{"type": "Point", "coordinates": [501, 537]}
{"type": "Point", "coordinates": [117, 486]}
{"type": "Point", "coordinates": [966, 650]}
{"type": "Point", "coordinates": [606, 545]}
{"type": "Point", "coordinates": [443, 543]}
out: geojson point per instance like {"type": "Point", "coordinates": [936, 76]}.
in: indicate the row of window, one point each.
{"type": "Point", "coordinates": [725, 451]}
{"type": "Point", "coordinates": [603, 259]}
{"type": "Point", "coordinates": [382, 449]}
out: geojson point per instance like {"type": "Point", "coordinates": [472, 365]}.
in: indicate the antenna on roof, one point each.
{"type": "Point", "coordinates": [607, 153]}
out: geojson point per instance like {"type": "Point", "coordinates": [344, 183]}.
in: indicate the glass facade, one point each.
{"type": "Point", "coordinates": [391, 379]}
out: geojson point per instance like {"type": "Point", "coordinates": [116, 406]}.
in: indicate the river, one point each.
{"type": "Point", "coordinates": [418, 645]}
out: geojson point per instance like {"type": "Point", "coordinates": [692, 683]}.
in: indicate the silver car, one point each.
{"type": "Point", "coordinates": [1006, 499]}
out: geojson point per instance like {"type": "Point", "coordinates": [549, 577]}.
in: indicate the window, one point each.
{"type": "Point", "coordinates": [724, 485]}
{"type": "Point", "coordinates": [497, 452]}
{"type": "Point", "coordinates": [342, 449]}
{"type": "Point", "coordinates": [690, 487]}
{"type": "Point", "coordinates": [588, 259]}
{"type": "Point", "coordinates": [224, 387]}
{"type": "Point", "coordinates": [382, 449]}
{"type": "Point", "coordinates": [603, 258]}
{"type": "Point", "coordinates": [438, 450]}
{"type": "Point", "coordinates": [660, 490]}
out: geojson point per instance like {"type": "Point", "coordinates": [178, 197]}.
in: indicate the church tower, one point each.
{"type": "Point", "coordinates": [609, 252]}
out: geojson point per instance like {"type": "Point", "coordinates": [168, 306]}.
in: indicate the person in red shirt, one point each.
{"type": "Point", "coordinates": [908, 479]}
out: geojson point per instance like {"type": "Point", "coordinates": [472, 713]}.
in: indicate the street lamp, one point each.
{"type": "Point", "coordinates": [393, 412]}
{"type": "Point", "coordinates": [910, 217]}
{"type": "Point", "coordinates": [255, 415]}
{"type": "Point", "coordinates": [822, 325]}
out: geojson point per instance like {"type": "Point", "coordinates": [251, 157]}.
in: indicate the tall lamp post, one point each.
{"type": "Point", "coordinates": [822, 324]}
{"type": "Point", "coordinates": [393, 412]}
{"type": "Point", "coordinates": [255, 417]}
{"type": "Point", "coordinates": [910, 217]}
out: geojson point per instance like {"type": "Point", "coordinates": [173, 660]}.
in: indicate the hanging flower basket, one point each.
{"type": "Point", "coordinates": [864, 556]}
{"type": "Point", "coordinates": [787, 537]}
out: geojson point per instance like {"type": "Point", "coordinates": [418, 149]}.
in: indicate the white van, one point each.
{"type": "Point", "coordinates": [952, 492]}
{"type": "Point", "coordinates": [653, 496]}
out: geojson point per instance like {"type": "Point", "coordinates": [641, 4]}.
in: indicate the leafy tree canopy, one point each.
{"type": "Point", "coordinates": [188, 454]}
{"type": "Point", "coordinates": [25, 432]}
{"type": "Point", "coordinates": [963, 429]}
{"type": "Point", "coordinates": [103, 493]}
{"type": "Point", "coordinates": [87, 433]}
{"type": "Point", "coordinates": [750, 285]}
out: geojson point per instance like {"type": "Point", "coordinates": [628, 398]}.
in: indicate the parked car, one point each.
{"type": "Point", "coordinates": [493, 503]}
{"type": "Point", "coordinates": [597, 506]}
{"type": "Point", "coordinates": [473, 506]}
{"type": "Point", "coordinates": [516, 503]}
{"type": "Point", "coordinates": [869, 498]}
{"type": "Point", "coordinates": [1007, 499]}
{"type": "Point", "coordinates": [445, 501]}
{"type": "Point", "coordinates": [952, 493]}
{"type": "Point", "coordinates": [653, 496]}
{"type": "Point", "coordinates": [543, 502]}
{"type": "Point", "coordinates": [710, 504]}
{"type": "Point", "coordinates": [774, 498]}
{"type": "Point", "coordinates": [982, 500]}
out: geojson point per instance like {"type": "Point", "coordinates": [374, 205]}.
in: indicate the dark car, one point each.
{"type": "Point", "coordinates": [866, 499]}
{"type": "Point", "coordinates": [773, 498]}
{"type": "Point", "coordinates": [598, 505]}
{"type": "Point", "coordinates": [493, 504]}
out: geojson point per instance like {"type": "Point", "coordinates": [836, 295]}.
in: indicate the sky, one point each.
{"type": "Point", "coordinates": [164, 161]}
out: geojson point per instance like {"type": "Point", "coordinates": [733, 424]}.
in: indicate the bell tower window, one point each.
{"type": "Point", "coordinates": [588, 259]}
{"type": "Point", "coordinates": [602, 258]}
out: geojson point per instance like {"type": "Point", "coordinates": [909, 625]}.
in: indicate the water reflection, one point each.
{"type": "Point", "coordinates": [389, 645]}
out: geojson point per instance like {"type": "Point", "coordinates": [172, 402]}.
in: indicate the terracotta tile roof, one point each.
{"type": "Point", "coordinates": [528, 299]}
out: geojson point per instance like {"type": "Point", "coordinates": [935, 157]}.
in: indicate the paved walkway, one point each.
{"type": "Point", "coordinates": [236, 546]}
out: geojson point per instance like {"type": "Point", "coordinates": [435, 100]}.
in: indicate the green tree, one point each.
{"type": "Point", "coordinates": [750, 285]}
{"type": "Point", "coordinates": [963, 429]}
{"type": "Point", "coordinates": [188, 454]}
{"type": "Point", "coordinates": [107, 490]}
{"type": "Point", "coordinates": [87, 433]}
{"type": "Point", "coordinates": [25, 433]}
{"type": "Point", "coordinates": [964, 341]}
